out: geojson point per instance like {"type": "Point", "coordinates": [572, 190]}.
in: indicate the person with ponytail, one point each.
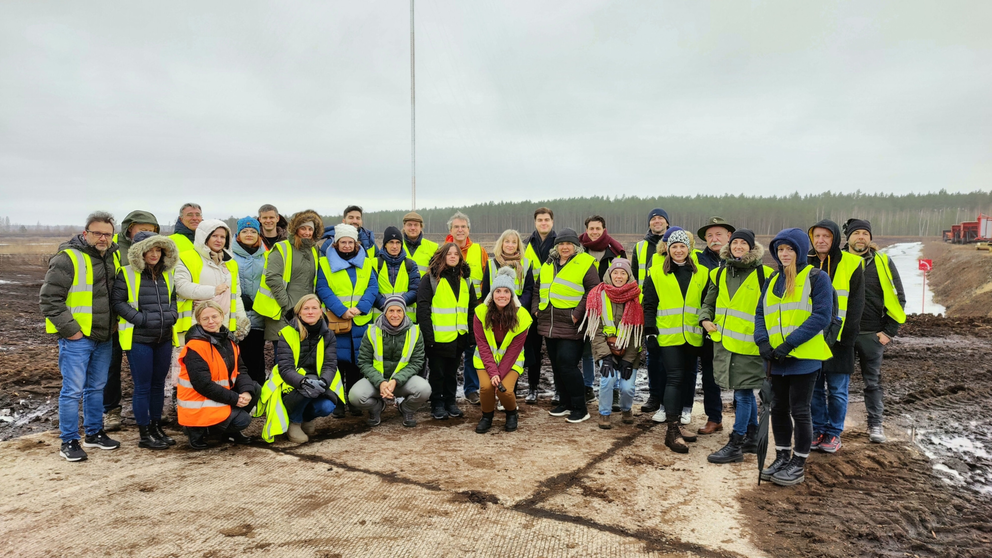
{"type": "Point", "coordinates": [795, 308]}
{"type": "Point", "coordinates": [615, 325]}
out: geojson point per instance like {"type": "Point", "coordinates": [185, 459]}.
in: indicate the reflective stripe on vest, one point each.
{"type": "Point", "coordinates": [194, 263]}
{"type": "Point", "coordinates": [117, 257]}
{"type": "Point", "coordinates": [609, 325]}
{"type": "Point", "coordinates": [349, 294]}
{"type": "Point", "coordinates": [265, 304]}
{"type": "Point", "coordinates": [400, 288]}
{"type": "Point", "coordinates": [678, 318]}
{"type": "Point", "coordinates": [734, 317]}
{"type": "Point", "coordinates": [530, 256]}
{"type": "Point", "coordinates": [423, 255]}
{"type": "Point", "coordinates": [849, 263]}
{"type": "Point", "coordinates": [641, 249]}
{"type": "Point", "coordinates": [409, 344]}
{"type": "Point", "coordinates": [889, 292]}
{"type": "Point", "coordinates": [474, 260]}
{"type": "Point", "coordinates": [292, 338]}
{"type": "Point", "coordinates": [523, 323]}
{"type": "Point", "coordinates": [518, 282]}
{"type": "Point", "coordinates": [79, 299]}
{"type": "Point", "coordinates": [449, 316]}
{"type": "Point", "coordinates": [193, 408]}
{"type": "Point", "coordinates": [125, 329]}
{"type": "Point", "coordinates": [565, 290]}
{"type": "Point", "coordinates": [785, 315]}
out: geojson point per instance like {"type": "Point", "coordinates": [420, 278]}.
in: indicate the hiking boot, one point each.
{"type": "Point", "coordinates": [238, 438]}
{"type": "Point", "coordinates": [308, 427]}
{"type": "Point", "coordinates": [485, 423]}
{"type": "Point", "coordinates": [792, 473]}
{"type": "Point", "coordinates": [616, 400]}
{"type": "Point", "coordinates": [511, 421]}
{"type": "Point", "coordinates": [660, 416]}
{"type": "Point", "coordinates": [155, 429]}
{"type": "Point", "coordinates": [556, 398]}
{"type": "Point", "coordinates": [112, 420]}
{"type": "Point", "coordinates": [472, 398]}
{"type": "Point", "coordinates": [375, 413]}
{"type": "Point", "coordinates": [578, 415]}
{"type": "Point", "coordinates": [100, 440]}
{"type": "Point", "coordinates": [673, 439]}
{"type": "Point", "coordinates": [818, 438]}
{"type": "Point", "coordinates": [409, 420]}
{"type": "Point", "coordinates": [782, 458]}
{"type": "Point", "coordinates": [651, 405]}
{"type": "Point", "coordinates": [296, 435]}
{"type": "Point", "coordinates": [590, 395]}
{"type": "Point", "coordinates": [438, 412]}
{"type": "Point", "coordinates": [730, 453]}
{"type": "Point", "coordinates": [559, 411]}
{"type": "Point", "coordinates": [750, 444]}
{"type": "Point", "coordinates": [686, 416]}
{"type": "Point", "coordinates": [453, 410]}
{"type": "Point", "coordinates": [686, 435]}
{"type": "Point", "coordinates": [604, 422]}
{"type": "Point", "coordinates": [709, 428]}
{"type": "Point", "coordinates": [876, 434]}
{"type": "Point", "coordinates": [830, 444]}
{"type": "Point", "coordinates": [149, 441]}
{"type": "Point", "coordinates": [196, 437]}
{"type": "Point", "coordinates": [531, 397]}
{"type": "Point", "coordinates": [628, 417]}
{"type": "Point", "coordinates": [72, 452]}
{"type": "Point", "coordinates": [338, 412]}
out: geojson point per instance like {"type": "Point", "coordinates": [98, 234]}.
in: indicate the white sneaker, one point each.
{"type": "Point", "coordinates": [686, 417]}
{"type": "Point", "coordinates": [660, 416]}
{"type": "Point", "coordinates": [876, 434]}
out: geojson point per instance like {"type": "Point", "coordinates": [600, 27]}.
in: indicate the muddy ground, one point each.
{"type": "Point", "coordinates": [926, 493]}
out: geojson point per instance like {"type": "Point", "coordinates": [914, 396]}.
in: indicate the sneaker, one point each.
{"type": "Point", "coordinates": [604, 422]}
{"type": "Point", "coordinates": [473, 397]}
{"type": "Point", "coordinates": [660, 416]}
{"type": "Point", "coordinates": [100, 440]}
{"type": "Point", "coordinates": [439, 412]}
{"type": "Point", "coordinates": [559, 411]}
{"type": "Point", "coordinates": [454, 411]}
{"type": "Point", "coordinates": [409, 420]}
{"type": "Point", "coordinates": [578, 415]}
{"type": "Point", "coordinates": [112, 420]}
{"type": "Point", "coordinates": [651, 405]}
{"type": "Point", "coordinates": [72, 452]}
{"type": "Point", "coordinates": [686, 416]}
{"type": "Point", "coordinates": [830, 444]}
{"type": "Point", "coordinates": [531, 397]}
{"type": "Point", "coordinates": [556, 399]}
{"type": "Point", "coordinates": [818, 438]}
{"type": "Point", "coordinates": [876, 434]}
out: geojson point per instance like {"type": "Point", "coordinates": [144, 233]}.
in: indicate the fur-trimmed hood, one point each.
{"type": "Point", "coordinates": [170, 254]}
{"type": "Point", "coordinates": [301, 217]}
{"type": "Point", "coordinates": [751, 259]}
{"type": "Point", "coordinates": [203, 232]}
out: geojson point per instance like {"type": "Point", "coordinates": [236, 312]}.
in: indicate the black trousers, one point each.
{"type": "Point", "coordinates": [565, 355]}
{"type": "Point", "coordinates": [443, 378]}
{"type": "Point", "coordinates": [252, 349]}
{"type": "Point", "coordinates": [678, 362]}
{"type": "Point", "coordinates": [791, 397]}
{"type": "Point", "coordinates": [532, 357]}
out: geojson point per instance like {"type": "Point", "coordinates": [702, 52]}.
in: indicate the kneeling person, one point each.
{"type": "Point", "coordinates": [391, 354]}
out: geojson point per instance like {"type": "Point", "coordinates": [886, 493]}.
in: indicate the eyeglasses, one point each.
{"type": "Point", "coordinates": [100, 235]}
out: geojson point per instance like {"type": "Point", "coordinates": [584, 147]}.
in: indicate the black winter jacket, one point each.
{"type": "Point", "coordinates": [425, 296]}
{"type": "Point", "coordinates": [308, 356]}
{"type": "Point", "coordinates": [58, 280]}
{"type": "Point", "coordinates": [199, 371]}
{"type": "Point", "coordinates": [856, 296]}
{"type": "Point", "coordinates": [874, 318]}
{"type": "Point", "coordinates": [156, 313]}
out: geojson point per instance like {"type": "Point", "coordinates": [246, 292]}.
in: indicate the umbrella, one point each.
{"type": "Point", "coordinates": [764, 419]}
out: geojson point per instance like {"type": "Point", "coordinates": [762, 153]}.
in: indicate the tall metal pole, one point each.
{"type": "Point", "coordinates": [413, 118]}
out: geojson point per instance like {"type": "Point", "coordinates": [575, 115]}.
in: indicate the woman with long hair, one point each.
{"type": "Point", "coordinates": [509, 252]}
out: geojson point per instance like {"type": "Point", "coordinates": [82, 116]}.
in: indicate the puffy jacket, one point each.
{"type": "Point", "coordinates": [156, 313]}
{"type": "Point", "coordinates": [211, 274]}
{"type": "Point", "coordinates": [308, 356]}
{"type": "Point", "coordinates": [59, 279]}
{"type": "Point", "coordinates": [199, 370]}
{"type": "Point", "coordinates": [250, 267]}
{"type": "Point", "coordinates": [557, 323]}
{"type": "Point", "coordinates": [392, 351]}
{"type": "Point", "coordinates": [349, 344]}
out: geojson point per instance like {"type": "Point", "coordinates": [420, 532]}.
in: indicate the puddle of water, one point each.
{"type": "Point", "coordinates": [2, 282]}
{"type": "Point", "coordinates": [905, 256]}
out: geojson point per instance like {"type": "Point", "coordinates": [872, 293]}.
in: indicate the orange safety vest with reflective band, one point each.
{"type": "Point", "coordinates": [193, 408]}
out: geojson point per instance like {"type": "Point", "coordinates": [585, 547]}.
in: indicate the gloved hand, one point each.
{"type": "Point", "coordinates": [310, 388]}
{"type": "Point", "coordinates": [626, 369]}
{"type": "Point", "coordinates": [782, 352]}
{"type": "Point", "coordinates": [322, 382]}
{"type": "Point", "coordinates": [607, 370]}
{"type": "Point", "coordinates": [765, 350]}
{"type": "Point", "coordinates": [247, 302]}
{"type": "Point", "coordinates": [243, 329]}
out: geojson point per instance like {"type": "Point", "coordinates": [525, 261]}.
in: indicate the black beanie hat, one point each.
{"type": "Point", "coordinates": [567, 235]}
{"type": "Point", "coordinates": [391, 233]}
{"type": "Point", "coordinates": [856, 225]}
{"type": "Point", "coordinates": [746, 235]}
{"type": "Point", "coordinates": [659, 211]}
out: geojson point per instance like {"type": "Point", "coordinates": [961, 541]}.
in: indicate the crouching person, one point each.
{"type": "Point", "coordinates": [293, 401]}
{"type": "Point", "coordinates": [215, 390]}
{"type": "Point", "coordinates": [391, 354]}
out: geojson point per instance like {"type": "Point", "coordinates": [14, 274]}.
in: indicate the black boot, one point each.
{"type": "Point", "coordinates": [511, 421]}
{"type": "Point", "coordinates": [148, 441]}
{"type": "Point", "coordinates": [485, 423]}
{"type": "Point", "coordinates": [196, 436]}
{"type": "Point", "coordinates": [792, 473]}
{"type": "Point", "coordinates": [673, 439]}
{"type": "Point", "coordinates": [782, 458]}
{"type": "Point", "coordinates": [750, 443]}
{"type": "Point", "coordinates": [651, 405]}
{"type": "Point", "coordinates": [238, 438]}
{"type": "Point", "coordinates": [155, 429]}
{"type": "Point", "coordinates": [730, 453]}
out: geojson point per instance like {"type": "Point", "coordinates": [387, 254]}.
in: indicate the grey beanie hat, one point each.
{"type": "Point", "coordinates": [505, 278]}
{"type": "Point", "coordinates": [394, 300]}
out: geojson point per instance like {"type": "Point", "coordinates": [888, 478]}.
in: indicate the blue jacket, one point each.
{"type": "Point", "coordinates": [393, 268]}
{"type": "Point", "coordinates": [250, 274]}
{"type": "Point", "coordinates": [348, 346]}
{"type": "Point", "coordinates": [365, 237]}
{"type": "Point", "coordinates": [822, 293]}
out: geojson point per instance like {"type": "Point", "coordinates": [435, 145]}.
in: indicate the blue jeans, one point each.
{"type": "Point", "coordinates": [471, 383]}
{"type": "Point", "coordinates": [829, 405]}
{"type": "Point", "coordinates": [588, 372]}
{"type": "Point", "coordinates": [83, 364]}
{"type": "Point", "coordinates": [606, 385]}
{"type": "Point", "coordinates": [312, 409]}
{"type": "Point", "coordinates": [149, 367]}
{"type": "Point", "coordinates": [747, 411]}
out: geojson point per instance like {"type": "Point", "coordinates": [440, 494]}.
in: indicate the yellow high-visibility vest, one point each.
{"type": "Point", "coordinates": [530, 256]}
{"type": "Point", "coordinates": [449, 316]}
{"type": "Point", "coordinates": [889, 292]}
{"type": "Point", "coordinates": [348, 294]}
{"type": "Point", "coordinates": [400, 288]}
{"type": "Point", "coordinates": [848, 264]}
{"type": "Point", "coordinates": [518, 283]}
{"type": "Point", "coordinates": [265, 304]}
{"type": "Point", "coordinates": [523, 324]}
{"type": "Point", "coordinates": [79, 299]}
{"type": "Point", "coordinates": [785, 315]}
{"type": "Point", "coordinates": [182, 243]}
{"type": "Point", "coordinates": [474, 260]}
{"type": "Point", "coordinates": [125, 329]}
{"type": "Point", "coordinates": [565, 289]}
{"type": "Point", "coordinates": [424, 254]}
{"type": "Point", "coordinates": [734, 317]}
{"type": "Point", "coordinates": [374, 334]}
{"type": "Point", "coordinates": [678, 317]}
{"type": "Point", "coordinates": [194, 263]}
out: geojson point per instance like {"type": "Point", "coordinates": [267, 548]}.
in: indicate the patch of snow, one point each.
{"type": "Point", "coordinates": [905, 256]}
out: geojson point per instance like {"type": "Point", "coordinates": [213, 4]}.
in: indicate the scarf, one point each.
{"type": "Point", "coordinates": [250, 249]}
{"type": "Point", "coordinates": [631, 324]}
{"type": "Point", "coordinates": [468, 243]}
{"type": "Point", "coordinates": [511, 261]}
{"type": "Point", "coordinates": [217, 257]}
{"type": "Point", "coordinates": [389, 329]}
{"type": "Point", "coordinates": [601, 243]}
{"type": "Point", "coordinates": [413, 243]}
{"type": "Point", "coordinates": [653, 238]}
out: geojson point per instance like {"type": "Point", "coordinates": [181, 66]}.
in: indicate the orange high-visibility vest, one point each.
{"type": "Point", "coordinates": [193, 408]}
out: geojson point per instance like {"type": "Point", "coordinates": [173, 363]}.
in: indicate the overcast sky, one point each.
{"type": "Point", "coordinates": [124, 105]}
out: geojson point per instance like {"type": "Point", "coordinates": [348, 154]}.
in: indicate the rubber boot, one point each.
{"type": "Point", "coordinates": [511, 421]}
{"type": "Point", "coordinates": [149, 441]}
{"type": "Point", "coordinates": [155, 429]}
{"type": "Point", "coordinates": [782, 458]}
{"type": "Point", "coordinates": [792, 473]}
{"type": "Point", "coordinates": [673, 439]}
{"type": "Point", "coordinates": [730, 453]}
{"type": "Point", "coordinates": [485, 423]}
{"type": "Point", "coordinates": [750, 443]}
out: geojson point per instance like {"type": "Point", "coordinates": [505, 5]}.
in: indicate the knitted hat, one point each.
{"type": "Point", "coordinates": [676, 235]}
{"type": "Point", "coordinates": [745, 234]}
{"type": "Point", "coordinates": [567, 235]}
{"type": "Point", "coordinates": [659, 211]}
{"type": "Point", "coordinates": [342, 230]}
{"type": "Point", "coordinates": [394, 300]}
{"type": "Point", "coordinates": [413, 216]}
{"type": "Point", "coordinates": [391, 233]}
{"type": "Point", "coordinates": [505, 278]}
{"type": "Point", "coordinates": [619, 263]}
{"type": "Point", "coordinates": [856, 225]}
{"type": "Point", "coordinates": [248, 223]}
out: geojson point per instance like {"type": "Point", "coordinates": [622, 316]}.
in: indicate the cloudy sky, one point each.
{"type": "Point", "coordinates": [123, 105]}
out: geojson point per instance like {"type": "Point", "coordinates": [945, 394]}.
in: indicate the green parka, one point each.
{"type": "Point", "coordinates": [392, 350]}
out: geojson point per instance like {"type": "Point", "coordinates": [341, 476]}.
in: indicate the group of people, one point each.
{"type": "Point", "coordinates": [357, 326]}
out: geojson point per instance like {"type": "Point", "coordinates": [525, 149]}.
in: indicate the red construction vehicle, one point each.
{"type": "Point", "coordinates": [956, 234]}
{"type": "Point", "coordinates": [979, 230]}
{"type": "Point", "coordinates": [947, 235]}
